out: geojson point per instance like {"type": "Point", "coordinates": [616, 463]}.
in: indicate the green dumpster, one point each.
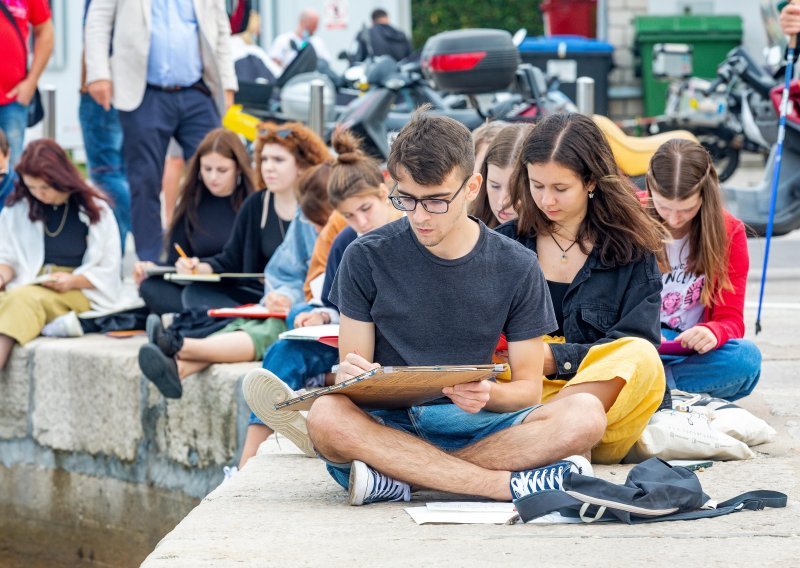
{"type": "Point", "coordinates": [711, 38]}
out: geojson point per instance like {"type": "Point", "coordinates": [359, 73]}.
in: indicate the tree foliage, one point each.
{"type": "Point", "coordinates": [430, 17]}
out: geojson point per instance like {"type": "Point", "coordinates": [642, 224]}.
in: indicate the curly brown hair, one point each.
{"type": "Point", "coordinates": [307, 148]}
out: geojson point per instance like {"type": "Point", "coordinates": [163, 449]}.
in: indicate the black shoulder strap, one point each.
{"type": "Point", "coordinates": [4, 9]}
{"type": "Point", "coordinates": [541, 503]}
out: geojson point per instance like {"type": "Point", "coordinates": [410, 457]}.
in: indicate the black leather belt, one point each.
{"type": "Point", "coordinates": [199, 86]}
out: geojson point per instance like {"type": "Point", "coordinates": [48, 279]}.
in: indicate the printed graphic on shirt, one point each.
{"type": "Point", "coordinates": [681, 307]}
{"type": "Point", "coordinates": [18, 8]}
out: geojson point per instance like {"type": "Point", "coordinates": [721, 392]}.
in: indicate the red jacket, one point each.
{"type": "Point", "coordinates": [725, 317]}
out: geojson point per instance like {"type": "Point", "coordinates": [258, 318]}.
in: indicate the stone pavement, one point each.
{"type": "Point", "coordinates": [284, 510]}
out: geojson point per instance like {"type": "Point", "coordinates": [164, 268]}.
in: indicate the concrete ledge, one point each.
{"type": "Point", "coordinates": [85, 403]}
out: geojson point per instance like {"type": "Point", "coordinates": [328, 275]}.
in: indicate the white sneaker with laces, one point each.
{"type": "Point", "coordinates": [370, 486]}
{"type": "Point", "coordinates": [67, 325]}
{"type": "Point", "coordinates": [549, 477]}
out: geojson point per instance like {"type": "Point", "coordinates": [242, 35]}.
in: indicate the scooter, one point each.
{"type": "Point", "coordinates": [731, 114]}
{"type": "Point", "coordinates": [751, 205]}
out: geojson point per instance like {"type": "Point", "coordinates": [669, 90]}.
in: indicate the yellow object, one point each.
{"type": "Point", "coordinates": [633, 153]}
{"type": "Point", "coordinates": [238, 121]}
{"type": "Point", "coordinates": [24, 311]}
{"type": "Point", "coordinates": [635, 361]}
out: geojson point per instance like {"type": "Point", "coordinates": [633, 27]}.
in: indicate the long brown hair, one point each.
{"type": "Point", "coordinates": [303, 143]}
{"type": "Point", "coordinates": [503, 152]}
{"type": "Point", "coordinates": [354, 172]}
{"type": "Point", "coordinates": [615, 222]}
{"type": "Point", "coordinates": [46, 160]}
{"type": "Point", "coordinates": [678, 170]}
{"type": "Point", "coordinates": [226, 144]}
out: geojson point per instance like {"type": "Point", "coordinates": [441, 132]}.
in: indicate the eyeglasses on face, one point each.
{"type": "Point", "coordinates": [435, 206]}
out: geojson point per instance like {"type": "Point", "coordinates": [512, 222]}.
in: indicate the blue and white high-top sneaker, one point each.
{"type": "Point", "coordinates": [370, 486]}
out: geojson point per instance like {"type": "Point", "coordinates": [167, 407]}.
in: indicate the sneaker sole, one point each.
{"type": "Point", "coordinates": [156, 368]}
{"type": "Point", "coordinates": [358, 483]}
{"type": "Point", "coordinates": [262, 391]}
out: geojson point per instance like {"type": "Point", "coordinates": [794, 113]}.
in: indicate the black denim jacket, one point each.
{"type": "Point", "coordinates": [603, 303]}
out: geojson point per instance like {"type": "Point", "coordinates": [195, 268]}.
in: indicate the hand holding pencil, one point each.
{"type": "Point", "coordinates": [190, 265]}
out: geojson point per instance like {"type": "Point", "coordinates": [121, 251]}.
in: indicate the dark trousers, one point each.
{"type": "Point", "coordinates": [187, 115]}
{"type": "Point", "coordinates": [162, 296]}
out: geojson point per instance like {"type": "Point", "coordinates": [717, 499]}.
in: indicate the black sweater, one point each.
{"type": "Point", "coordinates": [215, 220]}
{"type": "Point", "coordinates": [249, 248]}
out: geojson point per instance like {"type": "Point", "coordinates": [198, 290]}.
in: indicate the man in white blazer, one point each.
{"type": "Point", "coordinates": [166, 66]}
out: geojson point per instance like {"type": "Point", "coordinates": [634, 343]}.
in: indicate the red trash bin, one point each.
{"type": "Point", "coordinates": [570, 17]}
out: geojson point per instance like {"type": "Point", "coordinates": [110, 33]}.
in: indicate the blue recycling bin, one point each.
{"type": "Point", "coordinates": [568, 57]}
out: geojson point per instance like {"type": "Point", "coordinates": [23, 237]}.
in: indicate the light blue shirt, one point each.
{"type": "Point", "coordinates": [174, 59]}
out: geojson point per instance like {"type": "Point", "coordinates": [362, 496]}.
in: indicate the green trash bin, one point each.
{"type": "Point", "coordinates": [711, 38]}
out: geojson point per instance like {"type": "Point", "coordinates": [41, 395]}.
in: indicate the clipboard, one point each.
{"type": "Point", "coordinates": [212, 277]}
{"type": "Point", "coordinates": [398, 387]}
{"type": "Point", "coordinates": [250, 311]}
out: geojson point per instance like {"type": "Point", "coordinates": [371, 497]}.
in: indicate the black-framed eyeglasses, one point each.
{"type": "Point", "coordinates": [435, 206]}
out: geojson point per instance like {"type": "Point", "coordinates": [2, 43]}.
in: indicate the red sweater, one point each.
{"type": "Point", "coordinates": [725, 317]}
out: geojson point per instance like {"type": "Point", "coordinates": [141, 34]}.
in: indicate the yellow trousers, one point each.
{"type": "Point", "coordinates": [635, 361]}
{"type": "Point", "coordinates": [24, 311]}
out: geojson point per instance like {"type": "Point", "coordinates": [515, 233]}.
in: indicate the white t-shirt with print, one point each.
{"type": "Point", "coordinates": [681, 307]}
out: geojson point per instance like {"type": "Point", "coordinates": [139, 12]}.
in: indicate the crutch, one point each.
{"type": "Point", "coordinates": [776, 174]}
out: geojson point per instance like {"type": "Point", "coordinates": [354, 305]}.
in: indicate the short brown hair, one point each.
{"type": "Point", "coordinates": [313, 193]}
{"type": "Point", "coordinates": [353, 172]}
{"type": "Point", "coordinates": [307, 148]}
{"type": "Point", "coordinates": [430, 147]}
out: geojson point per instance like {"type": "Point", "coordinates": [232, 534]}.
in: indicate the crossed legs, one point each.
{"type": "Point", "coordinates": [341, 432]}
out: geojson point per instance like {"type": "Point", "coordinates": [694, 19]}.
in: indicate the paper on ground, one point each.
{"type": "Point", "coordinates": [474, 512]}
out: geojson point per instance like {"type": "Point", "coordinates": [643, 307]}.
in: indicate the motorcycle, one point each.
{"type": "Point", "coordinates": [729, 115]}
{"type": "Point", "coordinates": [751, 205]}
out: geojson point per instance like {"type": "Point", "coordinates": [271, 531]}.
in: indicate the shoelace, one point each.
{"type": "Point", "coordinates": [527, 482]}
{"type": "Point", "coordinates": [384, 488]}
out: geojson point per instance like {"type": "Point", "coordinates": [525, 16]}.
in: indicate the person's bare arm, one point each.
{"type": "Point", "coordinates": [524, 390]}
{"type": "Point", "coordinates": [43, 40]}
{"type": "Point", "coordinates": [356, 348]}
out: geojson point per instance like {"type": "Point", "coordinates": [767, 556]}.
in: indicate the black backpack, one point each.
{"type": "Point", "coordinates": [654, 491]}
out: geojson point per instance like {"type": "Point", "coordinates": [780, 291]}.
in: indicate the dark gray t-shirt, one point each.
{"type": "Point", "coordinates": [432, 311]}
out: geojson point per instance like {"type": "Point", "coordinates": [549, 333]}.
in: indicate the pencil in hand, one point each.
{"type": "Point", "coordinates": [184, 256]}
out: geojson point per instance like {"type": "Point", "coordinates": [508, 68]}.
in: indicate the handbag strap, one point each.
{"type": "Point", "coordinates": [7, 13]}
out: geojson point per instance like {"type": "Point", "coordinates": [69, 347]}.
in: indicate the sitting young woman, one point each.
{"type": "Point", "coordinates": [283, 152]}
{"type": "Point", "coordinates": [357, 191]}
{"type": "Point", "coordinates": [59, 247]}
{"type": "Point", "coordinates": [702, 302]}
{"type": "Point", "coordinates": [169, 357]}
{"type": "Point", "coordinates": [493, 205]}
{"type": "Point", "coordinates": [218, 180]}
{"type": "Point", "coordinates": [597, 248]}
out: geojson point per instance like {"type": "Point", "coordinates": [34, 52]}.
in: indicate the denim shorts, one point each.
{"type": "Point", "coordinates": [445, 426]}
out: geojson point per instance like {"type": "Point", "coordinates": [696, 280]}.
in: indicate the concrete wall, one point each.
{"type": "Point", "coordinates": [88, 446]}
{"type": "Point", "coordinates": [626, 87]}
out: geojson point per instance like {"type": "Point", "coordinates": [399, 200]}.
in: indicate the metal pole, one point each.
{"type": "Point", "coordinates": [48, 93]}
{"type": "Point", "coordinates": [584, 95]}
{"type": "Point", "coordinates": [317, 111]}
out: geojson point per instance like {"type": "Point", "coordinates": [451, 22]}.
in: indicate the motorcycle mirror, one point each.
{"type": "Point", "coordinates": [519, 36]}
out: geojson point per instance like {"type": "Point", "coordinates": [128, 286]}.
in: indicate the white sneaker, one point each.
{"type": "Point", "coordinates": [228, 473]}
{"type": "Point", "coordinates": [67, 325]}
{"type": "Point", "coordinates": [262, 391]}
{"type": "Point", "coordinates": [370, 486]}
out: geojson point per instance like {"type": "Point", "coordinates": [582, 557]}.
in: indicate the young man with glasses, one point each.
{"type": "Point", "coordinates": [438, 287]}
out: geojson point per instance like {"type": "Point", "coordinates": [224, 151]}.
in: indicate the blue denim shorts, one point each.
{"type": "Point", "coordinates": [445, 426]}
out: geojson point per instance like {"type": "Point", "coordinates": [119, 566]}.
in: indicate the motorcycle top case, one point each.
{"type": "Point", "coordinates": [470, 61]}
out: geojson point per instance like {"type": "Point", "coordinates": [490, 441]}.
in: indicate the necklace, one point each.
{"type": "Point", "coordinates": [60, 226]}
{"type": "Point", "coordinates": [563, 250]}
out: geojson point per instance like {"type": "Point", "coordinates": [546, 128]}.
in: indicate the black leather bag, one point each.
{"type": "Point", "coordinates": [35, 108]}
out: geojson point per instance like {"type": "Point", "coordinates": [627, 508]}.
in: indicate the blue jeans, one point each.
{"type": "Point", "coordinates": [294, 361]}
{"type": "Point", "coordinates": [730, 372]}
{"type": "Point", "coordinates": [445, 426]}
{"type": "Point", "coordinates": [187, 115]}
{"type": "Point", "coordinates": [14, 121]}
{"type": "Point", "coordinates": [102, 140]}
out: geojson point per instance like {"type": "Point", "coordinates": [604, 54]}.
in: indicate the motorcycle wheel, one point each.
{"type": "Point", "coordinates": [724, 156]}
